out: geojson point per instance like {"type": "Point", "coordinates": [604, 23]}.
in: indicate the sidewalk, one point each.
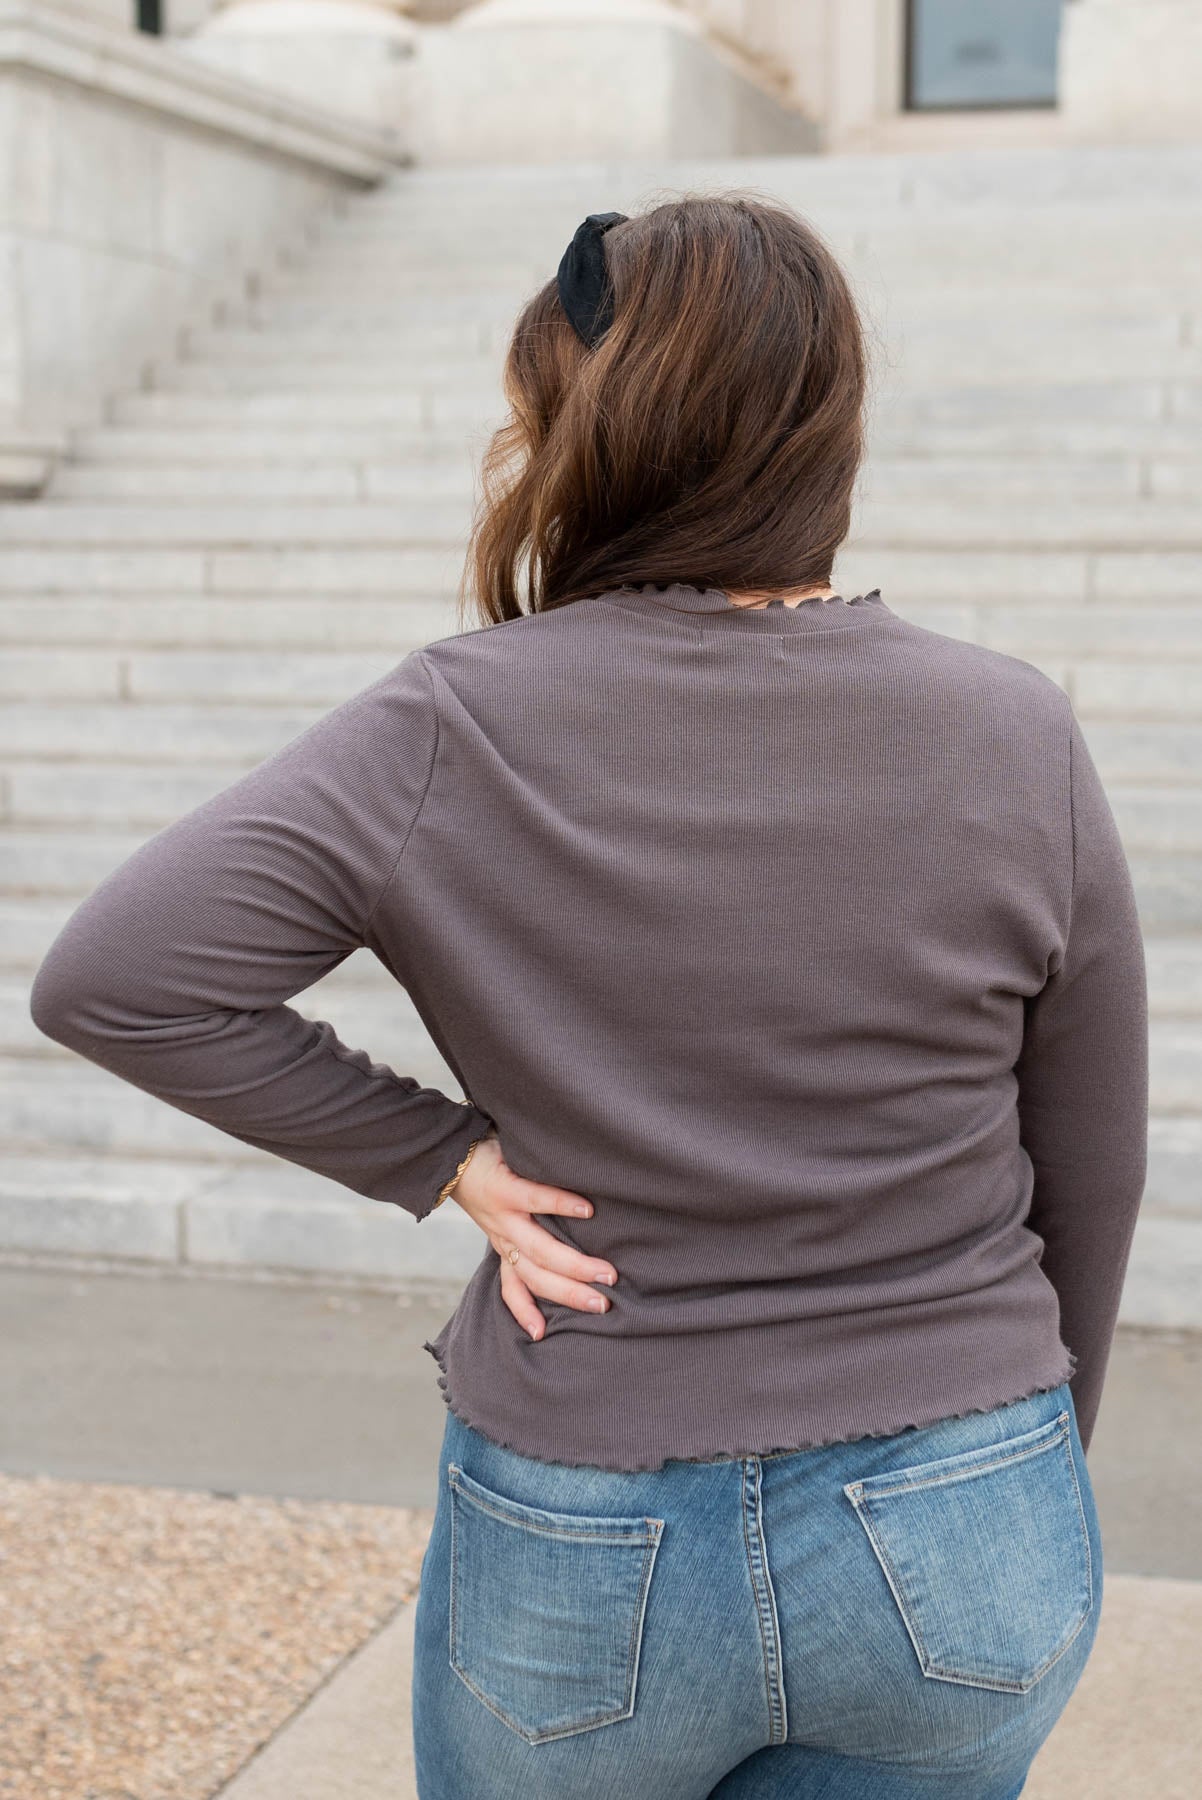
{"type": "Point", "coordinates": [1133, 1728]}
{"type": "Point", "coordinates": [215, 1499]}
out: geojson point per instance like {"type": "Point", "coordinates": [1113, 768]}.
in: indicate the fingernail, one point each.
{"type": "Point", "coordinates": [599, 1303]}
{"type": "Point", "coordinates": [582, 1212]}
{"type": "Point", "coordinates": [608, 1277]}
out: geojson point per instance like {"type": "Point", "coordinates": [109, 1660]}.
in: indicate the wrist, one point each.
{"type": "Point", "coordinates": [448, 1187]}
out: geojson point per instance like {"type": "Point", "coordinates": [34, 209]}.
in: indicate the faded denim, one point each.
{"type": "Point", "coordinates": [899, 1616]}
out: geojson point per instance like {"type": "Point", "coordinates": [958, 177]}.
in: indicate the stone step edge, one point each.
{"type": "Point", "coordinates": [250, 1214]}
{"type": "Point", "coordinates": [409, 1288]}
{"type": "Point", "coordinates": [358, 1244]}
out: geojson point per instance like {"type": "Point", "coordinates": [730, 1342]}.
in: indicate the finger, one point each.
{"type": "Point", "coordinates": [550, 1286]}
{"type": "Point", "coordinates": [543, 1197]}
{"type": "Point", "coordinates": [520, 1301]}
{"type": "Point", "coordinates": [549, 1252]}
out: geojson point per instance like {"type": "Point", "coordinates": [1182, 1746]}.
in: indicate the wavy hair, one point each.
{"type": "Point", "coordinates": [713, 436]}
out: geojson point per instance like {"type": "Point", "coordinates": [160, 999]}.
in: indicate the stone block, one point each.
{"type": "Point", "coordinates": [906, 575]}
{"type": "Point", "coordinates": [428, 574]}
{"type": "Point", "coordinates": [58, 569]}
{"type": "Point", "coordinates": [1163, 1285]}
{"type": "Point", "coordinates": [55, 673]}
{"type": "Point", "coordinates": [1149, 574]}
{"type": "Point", "coordinates": [111, 795]}
{"type": "Point", "coordinates": [67, 862]}
{"type": "Point", "coordinates": [322, 678]}
{"type": "Point", "coordinates": [1148, 689]}
{"type": "Point", "coordinates": [497, 86]}
{"type": "Point", "coordinates": [149, 733]}
{"type": "Point", "coordinates": [290, 1220]}
{"type": "Point", "coordinates": [59, 1205]}
{"type": "Point", "coordinates": [1145, 750]}
{"type": "Point", "coordinates": [393, 627]}
{"type": "Point", "coordinates": [1176, 1065]}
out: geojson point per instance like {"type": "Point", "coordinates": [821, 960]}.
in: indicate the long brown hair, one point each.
{"type": "Point", "coordinates": [713, 436]}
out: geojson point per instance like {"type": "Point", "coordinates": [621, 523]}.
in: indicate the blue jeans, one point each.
{"type": "Point", "coordinates": [901, 1616]}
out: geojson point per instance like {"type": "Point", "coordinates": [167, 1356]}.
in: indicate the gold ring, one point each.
{"type": "Point", "coordinates": [513, 1254]}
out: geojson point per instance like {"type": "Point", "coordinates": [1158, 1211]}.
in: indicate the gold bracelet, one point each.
{"type": "Point", "coordinates": [448, 1188]}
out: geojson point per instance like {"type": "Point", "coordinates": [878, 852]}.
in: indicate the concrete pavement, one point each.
{"type": "Point", "coordinates": [1132, 1730]}
{"type": "Point", "coordinates": [323, 1392]}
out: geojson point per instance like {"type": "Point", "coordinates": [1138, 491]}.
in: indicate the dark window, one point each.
{"type": "Point", "coordinates": [965, 53]}
{"type": "Point", "coordinates": [150, 16]}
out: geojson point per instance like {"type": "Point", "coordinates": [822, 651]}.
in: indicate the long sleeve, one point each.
{"type": "Point", "coordinates": [174, 972]}
{"type": "Point", "coordinates": [1083, 1090]}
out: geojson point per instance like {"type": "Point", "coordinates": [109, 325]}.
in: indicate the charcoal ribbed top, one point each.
{"type": "Point", "coordinates": [800, 939]}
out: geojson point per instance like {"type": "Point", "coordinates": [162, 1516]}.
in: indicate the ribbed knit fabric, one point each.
{"type": "Point", "coordinates": [799, 939]}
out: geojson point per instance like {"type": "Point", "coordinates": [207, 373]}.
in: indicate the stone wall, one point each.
{"type": "Point", "coordinates": [135, 187]}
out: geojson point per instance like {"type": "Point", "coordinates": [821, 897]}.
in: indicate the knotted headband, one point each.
{"type": "Point", "coordinates": [585, 293]}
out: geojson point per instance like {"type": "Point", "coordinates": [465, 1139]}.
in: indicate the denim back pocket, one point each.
{"type": "Point", "coordinates": [547, 1609]}
{"type": "Point", "coordinates": [987, 1554]}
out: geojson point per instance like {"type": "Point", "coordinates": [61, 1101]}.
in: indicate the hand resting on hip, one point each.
{"type": "Point", "coordinates": [504, 1206]}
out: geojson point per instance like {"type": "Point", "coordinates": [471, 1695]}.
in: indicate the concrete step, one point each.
{"type": "Point", "coordinates": [46, 797]}
{"type": "Point", "coordinates": [39, 1103]}
{"type": "Point", "coordinates": [916, 301]}
{"type": "Point", "coordinates": [438, 405]}
{"type": "Point", "coordinates": [1153, 691]}
{"type": "Point", "coordinates": [978, 407]}
{"type": "Point", "coordinates": [118, 623]}
{"type": "Point", "coordinates": [284, 678]}
{"type": "Point", "coordinates": [353, 476]}
{"type": "Point", "coordinates": [1034, 578]}
{"type": "Point", "coordinates": [1146, 313]}
{"type": "Point", "coordinates": [427, 519]}
{"type": "Point", "coordinates": [977, 246]}
{"type": "Point", "coordinates": [1044, 441]}
{"type": "Point", "coordinates": [927, 350]}
{"type": "Point", "coordinates": [403, 366]}
{"type": "Point", "coordinates": [237, 445]}
{"type": "Point", "coordinates": [976, 522]}
{"type": "Point", "coordinates": [382, 408]}
{"type": "Point", "coordinates": [1017, 440]}
{"type": "Point", "coordinates": [74, 732]}
{"type": "Point", "coordinates": [56, 1099]}
{"type": "Point", "coordinates": [1120, 476]}
{"type": "Point", "coordinates": [1158, 693]}
{"type": "Point", "coordinates": [215, 1213]}
{"type": "Point", "coordinates": [246, 484]}
{"type": "Point", "coordinates": [53, 858]}
{"type": "Point", "coordinates": [337, 571]}
{"type": "Point", "coordinates": [266, 1214]}
{"type": "Point", "coordinates": [233, 342]}
{"type": "Point", "coordinates": [1042, 179]}
{"type": "Point", "coordinates": [488, 311]}
{"type": "Point", "coordinates": [225, 692]}
{"type": "Point", "coordinates": [239, 545]}
{"type": "Point", "coordinates": [409, 275]}
{"type": "Point", "coordinates": [915, 578]}
{"type": "Point", "coordinates": [966, 245]}
{"type": "Point", "coordinates": [892, 479]}
{"type": "Point", "coordinates": [29, 923]}
{"type": "Point", "coordinates": [1072, 637]}
{"type": "Point", "coordinates": [1114, 663]}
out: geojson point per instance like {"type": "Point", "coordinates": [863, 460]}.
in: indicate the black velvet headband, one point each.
{"type": "Point", "coordinates": [584, 292]}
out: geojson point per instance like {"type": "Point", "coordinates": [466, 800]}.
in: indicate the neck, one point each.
{"type": "Point", "coordinates": [790, 596]}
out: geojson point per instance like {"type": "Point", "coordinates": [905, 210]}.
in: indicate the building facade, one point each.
{"type": "Point", "coordinates": [791, 74]}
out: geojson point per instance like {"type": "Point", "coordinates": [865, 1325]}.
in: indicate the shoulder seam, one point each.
{"type": "Point", "coordinates": [396, 863]}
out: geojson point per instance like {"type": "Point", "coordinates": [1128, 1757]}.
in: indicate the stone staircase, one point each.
{"type": "Point", "coordinates": [278, 516]}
